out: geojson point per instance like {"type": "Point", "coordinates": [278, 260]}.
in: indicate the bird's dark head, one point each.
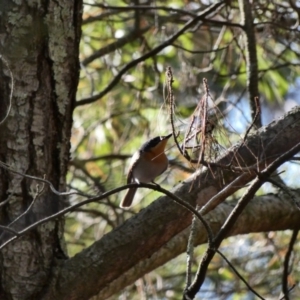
{"type": "Point", "coordinates": [157, 143]}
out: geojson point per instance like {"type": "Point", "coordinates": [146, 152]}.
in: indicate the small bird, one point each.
{"type": "Point", "coordinates": [146, 164]}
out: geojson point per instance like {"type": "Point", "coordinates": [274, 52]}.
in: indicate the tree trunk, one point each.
{"type": "Point", "coordinates": [39, 47]}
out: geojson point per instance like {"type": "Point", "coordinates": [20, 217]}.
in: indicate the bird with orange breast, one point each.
{"type": "Point", "coordinates": [146, 164]}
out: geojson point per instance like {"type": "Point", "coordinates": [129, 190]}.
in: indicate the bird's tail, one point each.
{"type": "Point", "coordinates": [127, 200]}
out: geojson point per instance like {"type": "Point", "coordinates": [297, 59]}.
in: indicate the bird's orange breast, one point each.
{"type": "Point", "coordinates": [157, 154]}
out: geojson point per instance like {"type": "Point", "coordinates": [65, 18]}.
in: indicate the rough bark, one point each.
{"type": "Point", "coordinates": [143, 235]}
{"type": "Point", "coordinates": [39, 44]}
{"type": "Point", "coordinates": [263, 214]}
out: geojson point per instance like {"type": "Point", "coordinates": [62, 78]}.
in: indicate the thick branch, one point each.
{"type": "Point", "coordinates": [144, 234]}
{"type": "Point", "coordinates": [264, 213]}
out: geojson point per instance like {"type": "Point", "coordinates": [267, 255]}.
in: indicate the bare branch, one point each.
{"type": "Point", "coordinates": [38, 193]}
{"type": "Point", "coordinates": [239, 275]}
{"type": "Point", "coordinates": [286, 265]}
{"type": "Point", "coordinates": [8, 168]}
{"type": "Point", "coordinates": [11, 89]}
{"type": "Point", "coordinates": [156, 50]}
{"type": "Point", "coordinates": [105, 195]}
{"type": "Point", "coordinates": [129, 38]}
{"type": "Point", "coordinates": [251, 57]}
{"type": "Point", "coordinates": [224, 231]}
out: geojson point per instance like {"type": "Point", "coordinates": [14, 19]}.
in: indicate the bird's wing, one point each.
{"type": "Point", "coordinates": [133, 163]}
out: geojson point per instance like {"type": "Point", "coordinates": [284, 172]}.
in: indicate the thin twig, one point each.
{"type": "Point", "coordinates": [239, 275]}
{"type": "Point", "coordinates": [170, 97]}
{"type": "Point", "coordinates": [257, 114]}
{"type": "Point", "coordinates": [223, 194]}
{"type": "Point", "coordinates": [285, 189]}
{"type": "Point", "coordinates": [190, 252]}
{"type": "Point", "coordinates": [10, 230]}
{"type": "Point", "coordinates": [11, 89]}
{"type": "Point", "coordinates": [286, 269]}
{"type": "Point", "coordinates": [37, 194]}
{"type": "Point", "coordinates": [289, 290]}
{"type": "Point", "coordinates": [8, 168]}
{"type": "Point", "coordinates": [109, 193]}
{"type": "Point", "coordinates": [260, 179]}
{"type": "Point", "coordinates": [6, 200]}
{"type": "Point", "coordinates": [198, 51]}
{"type": "Point", "coordinates": [114, 46]}
{"type": "Point", "coordinates": [153, 52]}
{"type": "Point", "coordinates": [203, 119]}
{"type": "Point", "coordinates": [144, 7]}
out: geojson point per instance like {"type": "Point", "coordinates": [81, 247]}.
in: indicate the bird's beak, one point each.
{"type": "Point", "coordinates": [167, 136]}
